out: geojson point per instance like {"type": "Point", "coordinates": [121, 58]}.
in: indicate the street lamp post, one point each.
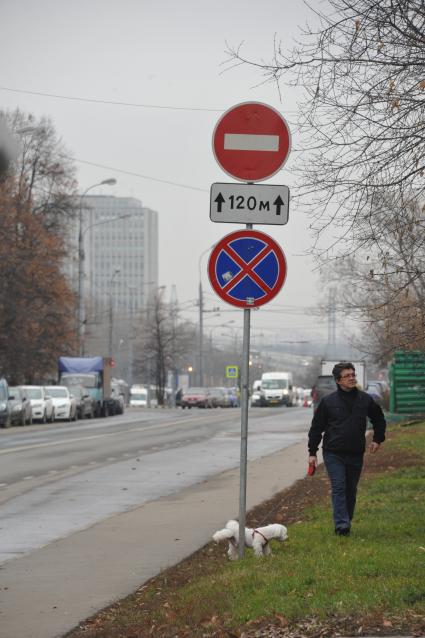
{"type": "Point", "coordinates": [81, 257]}
{"type": "Point", "coordinates": [201, 319]}
{"type": "Point", "coordinates": [111, 312]}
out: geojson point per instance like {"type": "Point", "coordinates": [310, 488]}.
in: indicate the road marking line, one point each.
{"type": "Point", "coordinates": [158, 426]}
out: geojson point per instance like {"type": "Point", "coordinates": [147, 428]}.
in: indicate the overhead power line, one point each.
{"type": "Point", "coordinates": [119, 170]}
{"type": "Point", "coordinates": [138, 105]}
{"type": "Point", "coordinates": [112, 102]}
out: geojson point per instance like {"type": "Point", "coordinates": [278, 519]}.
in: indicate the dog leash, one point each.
{"type": "Point", "coordinates": [257, 531]}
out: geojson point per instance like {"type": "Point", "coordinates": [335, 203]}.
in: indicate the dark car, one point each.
{"type": "Point", "coordinates": [5, 407]}
{"type": "Point", "coordinates": [21, 411]}
{"type": "Point", "coordinates": [325, 384]}
{"type": "Point", "coordinates": [86, 405]}
{"type": "Point", "coordinates": [178, 397]}
{"type": "Point", "coordinates": [219, 397]}
{"type": "Point", "coordinates": [196, 398]}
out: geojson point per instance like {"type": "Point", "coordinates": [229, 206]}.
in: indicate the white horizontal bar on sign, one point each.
{"type": "Point", "coordinates": [247, 142]}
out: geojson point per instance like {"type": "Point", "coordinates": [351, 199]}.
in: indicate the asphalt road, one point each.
{"type": "Point", "coordinates": [90, 511]}
{"type": "Point", "coordinates": [60, 478]}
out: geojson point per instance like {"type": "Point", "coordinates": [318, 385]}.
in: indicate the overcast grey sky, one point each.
{"type": "Point", "coordinates": [164, 54]}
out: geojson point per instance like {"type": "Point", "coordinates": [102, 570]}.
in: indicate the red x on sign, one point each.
{"type": "Point", "coordinates": [247, 268]}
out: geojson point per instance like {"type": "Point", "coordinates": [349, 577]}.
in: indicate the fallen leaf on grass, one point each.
{"type": "Point", "coordinates": [282, 620]}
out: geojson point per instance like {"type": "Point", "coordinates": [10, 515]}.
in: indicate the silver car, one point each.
{"type": "Point", "coordinates": [41, 403]}
{"type": "Point", "coordinates": [20, 406]}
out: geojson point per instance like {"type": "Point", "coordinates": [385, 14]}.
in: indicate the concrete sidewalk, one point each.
{"type": "Point", "coordinates": [48, 592]}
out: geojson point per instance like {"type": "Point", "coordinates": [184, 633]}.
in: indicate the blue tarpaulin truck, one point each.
{"type": "Point", "coordinates": [94, 374]}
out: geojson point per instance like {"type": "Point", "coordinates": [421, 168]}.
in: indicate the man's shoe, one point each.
{"type": "Point", "coordinates": [342, 531]}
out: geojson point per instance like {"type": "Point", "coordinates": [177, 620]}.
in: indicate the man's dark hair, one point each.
{"type": "Point", "coordinates": [339, 367]}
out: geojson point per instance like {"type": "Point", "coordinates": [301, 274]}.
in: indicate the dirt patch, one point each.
{"type": "Point", "coordinates": [288, 507]}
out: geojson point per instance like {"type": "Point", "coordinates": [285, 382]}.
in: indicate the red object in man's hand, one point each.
{"type": "Point", "coordinates": [311, 469]}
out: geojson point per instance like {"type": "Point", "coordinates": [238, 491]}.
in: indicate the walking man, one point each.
{"type": "Point", "coordinates": [341, 418]}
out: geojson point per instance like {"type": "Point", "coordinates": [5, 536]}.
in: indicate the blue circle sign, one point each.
{"type": "Point", "coordinates": [247, 268]}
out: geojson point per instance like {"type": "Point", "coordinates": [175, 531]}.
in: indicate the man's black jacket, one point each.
{"type": "Point", "coordinates": [342, 417]}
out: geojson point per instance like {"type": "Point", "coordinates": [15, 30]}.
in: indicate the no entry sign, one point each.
{"type": "Point", "coordinates": [251, 141]}
{"type": "Point", "coordinates": [247, 268]}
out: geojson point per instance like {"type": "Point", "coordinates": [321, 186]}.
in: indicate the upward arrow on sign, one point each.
{"type": "Point", "coordinates": [219, 200]}
{"type": "Point", "coordinates": [278, 202]}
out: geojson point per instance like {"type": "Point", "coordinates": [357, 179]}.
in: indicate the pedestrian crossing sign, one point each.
{"type": "Point", "coordinates": [232, 372]}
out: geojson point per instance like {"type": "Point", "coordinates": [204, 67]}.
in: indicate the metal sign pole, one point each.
{"type": "Point", "coordinates": [259, 205]}
{"type": "Point", "coordinates": [244, 426]}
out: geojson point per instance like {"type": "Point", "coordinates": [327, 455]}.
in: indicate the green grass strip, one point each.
{"type": "Point", "coordinates": [380, 568]}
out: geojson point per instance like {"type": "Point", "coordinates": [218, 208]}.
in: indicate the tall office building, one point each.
{"type": "Point", "coordinates": [121, 252]}
{"type": "Point", "coordinates": [120, 269]}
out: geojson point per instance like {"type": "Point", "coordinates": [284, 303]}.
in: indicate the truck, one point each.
{"type": "Point", "coordinates": [360, 366]}
{"type": "Point", "coordinates": [94, 374]}
{"type": "Point", "coordinates": [277, 388]}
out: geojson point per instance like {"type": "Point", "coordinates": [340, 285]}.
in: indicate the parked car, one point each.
{"type": "Point", "coordinates": [381, 387]}
{"type": "Point", "coordinates": [375, 391]}
{"type": "Point", "coordinates": [196, 397]}
{"type": "Point", "coordinates": [258, 399]}
{"type": "Point", "coordinates": [41, 403]}
{"type": "Point", "coordinates": [325, 384]}
{"type": "Point", "coordinates": [118, 399]}
{"type": "Point", "coordinates": [65, 405]}
{"type": "Point", "coordinates": [21, 411]}
{"type": "Point", "coordinates": [219, 397]}
{"type": "Point", "coordinates": [86, 405]}
{"type": "Point", "coordinates": [5, 407]}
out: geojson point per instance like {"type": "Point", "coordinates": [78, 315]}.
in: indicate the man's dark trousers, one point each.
{"type": "Point", "coordinates": [344, 473]}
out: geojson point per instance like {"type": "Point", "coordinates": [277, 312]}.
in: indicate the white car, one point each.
{"type": "Point", "coordinates": [41, 403]}
{"type": "Point", "coordinates": [64, 403]}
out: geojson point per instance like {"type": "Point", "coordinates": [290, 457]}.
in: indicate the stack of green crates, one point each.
{"type": "Point", "coordinates": [407, 382]}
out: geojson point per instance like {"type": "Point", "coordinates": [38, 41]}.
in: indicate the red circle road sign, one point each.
{"type": "Point", "coordinates": [247, 268]}
{"type": "Point", "coordinates": [251, 141]}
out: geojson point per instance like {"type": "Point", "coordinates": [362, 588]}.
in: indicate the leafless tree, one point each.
{"type": "Point", "coordinates": [362, 116]}
{"type": "Point", "coordinates": [383, 285]}
{"type": "Point", "coordinates": [361, 157]}
{"type": "Point", "coordinates": [44, 175]}
{"type": "Point", "coordinates": [164, 342]}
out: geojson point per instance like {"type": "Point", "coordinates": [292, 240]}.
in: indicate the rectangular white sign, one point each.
{"type": "Point", "coordinates": [246, 142]}
{"type": "Point", "coordinates": [249, 203]}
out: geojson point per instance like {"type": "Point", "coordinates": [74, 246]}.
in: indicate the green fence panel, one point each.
{"type": "Point", "coordinates": [407, 382]}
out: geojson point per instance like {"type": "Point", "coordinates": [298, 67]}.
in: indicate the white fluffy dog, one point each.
{"type": "Point", "coordinates": [257, 538]}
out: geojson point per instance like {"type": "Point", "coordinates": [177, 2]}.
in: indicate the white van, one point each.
{"type": "Point", "coordinates": [138, 396]}
{"type": "Point", "coordinates": [278, 388]}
